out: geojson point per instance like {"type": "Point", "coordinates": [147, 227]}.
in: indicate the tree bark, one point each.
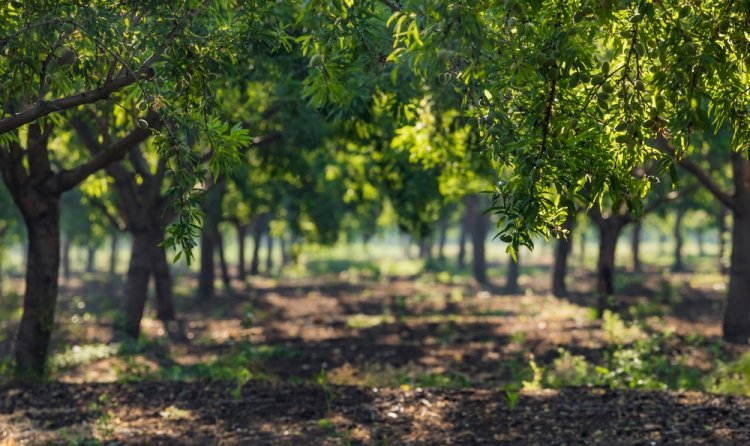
{"type": "Point", "coordinates": [136, 286]}
{"type": "Point", "coordinates": [285, 255]}
{"type": "Point", "coordinates": [635, 247]}
{"type": "Point", "coordinates": [560, 269]}
{"type": "Point", "coordinates": [736, 325]}
{"type": "Point", "coordinates": [35, 330]}
{"type": "Point", "coordinates": [609, 232]}
{"type": "Point", "coordinates": [678, 265]}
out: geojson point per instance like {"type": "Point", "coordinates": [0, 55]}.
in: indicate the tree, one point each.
{"type": "Point", "coordinates": [583, 92]}
{"type": "Point", "coordinates": [64, 55]}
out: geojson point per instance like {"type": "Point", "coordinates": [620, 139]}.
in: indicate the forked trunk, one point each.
{"type": "Point", "coordinates": [40, 298]}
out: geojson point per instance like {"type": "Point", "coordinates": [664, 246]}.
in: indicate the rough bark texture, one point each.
{"type": "Point", "coordinates": [635, 247]}
{"type": "Point", "coordinates": [737, 311]}
{"type": "Point", "coordinates": [560, 268]}
{"type": "Point", "coordinates": [678, 265]}
{"type": "Point", "coordinates": [136, 286]}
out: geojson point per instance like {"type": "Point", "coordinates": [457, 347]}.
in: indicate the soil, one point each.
{"type": "Point", "coordinates": [394, 361]}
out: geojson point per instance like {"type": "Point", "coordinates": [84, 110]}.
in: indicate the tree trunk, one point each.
{"type": "Point", "coordinates": [90, 259]}
{"type": "Point", "coordinates": [136, 287]}
{"type": "Point", "coordinates": [206, 274]}
{"type": "Point", "coordinates": [464, 228]}
{"type": "Point", "coordinates": [66, 257]}
{"type": "Point", "coordinates": [560, 270]}
{"type": "Point", "coordinates": [241, 235]}
{"type": "Point", "coordinates": [678, 265]}
{"type": "Point", "coordinates": [635, 247]}
{"type": "Point", "coordinates": [113, 255]}
{"type": "Point", "coordinates": [479, 227]}
{"type": "Point", "coordinates": [700, 239]}
{"type": "Point", "coordinates": [269, 254]}
{"type": "Point", "coordinates": [34, 332]}
{"type": "Point", "coordinates": [225, 278]}
{"type": "Point", "coordinates": [736, 324]}
{"type": "Point", "coordinates": [609, 232]}
{"type": "Point", "coordinates": [737, 311]}
{"type": "Point", "coordinates": [511, 278]}
{"type": "Point", "coordinates": [258, 230]}
{"type": "Point", "coordinates": [163, 280]}
{"type": "Point", "coordinates": [425, 249]}
{"type": "Point", "coordinates": [2, 258]}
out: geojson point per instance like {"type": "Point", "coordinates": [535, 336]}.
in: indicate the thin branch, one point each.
{"type": "Point", "coordinates": [662, 144]}
{"type": "Point", "coordinates": [392, 6]}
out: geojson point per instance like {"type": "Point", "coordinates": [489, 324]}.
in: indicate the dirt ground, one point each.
{"type": "Point", "coordinates": [345, 360]}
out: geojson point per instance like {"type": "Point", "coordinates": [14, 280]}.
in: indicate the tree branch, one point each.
{"type": "Point", "coordinates": [68, 179]}
{"type": "Point", "coordinates": [44, 108]}
{"type": "Point", "coordinates": [662, 144]}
